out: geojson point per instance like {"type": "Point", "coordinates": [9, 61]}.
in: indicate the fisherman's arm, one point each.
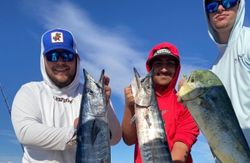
{"type": "Point", "coordinates": [129, 129]}
{"type": "Point", "coordinates": [186, 135]}
{"type": "Point", "coordinates": [28, 124]}
{"type": "Point", "coordinates": [179, 152]}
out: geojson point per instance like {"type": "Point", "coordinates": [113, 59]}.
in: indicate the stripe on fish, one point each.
{"type": "Point", "coordinates": [93, 135]}
{"type": "Point", "coordinates": [150, 128]}
{"type": "Point", "coordinates": [210, 106]}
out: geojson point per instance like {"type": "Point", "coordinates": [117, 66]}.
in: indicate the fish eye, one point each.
{"type": "Point", "coordinates": [191, 79]}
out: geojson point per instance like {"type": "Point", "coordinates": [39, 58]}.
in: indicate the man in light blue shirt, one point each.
{"type": "Point", "coordinates": [225, 20]}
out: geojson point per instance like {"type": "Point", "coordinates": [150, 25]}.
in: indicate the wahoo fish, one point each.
{"type": "Point", "coordinates": [208, 102]}
{"type": "Point", "coordinates": [151, 133]}
{"type": "Point", "coordinates": [93, 134]}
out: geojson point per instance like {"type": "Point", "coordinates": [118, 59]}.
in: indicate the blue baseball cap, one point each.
{"type": "Point", "coordinates": [58, 39]}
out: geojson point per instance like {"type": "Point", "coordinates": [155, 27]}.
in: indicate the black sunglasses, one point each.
{"type": "Point", "coordinates": [66, 56]}
{"type": "Point", "coordinates": [212, 6]}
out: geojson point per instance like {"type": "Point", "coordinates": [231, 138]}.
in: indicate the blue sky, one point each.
{"type": "Point", "coordinates": [114, 35]}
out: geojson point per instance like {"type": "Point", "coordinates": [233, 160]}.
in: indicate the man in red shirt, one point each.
{"type": "Point", "coordinates": [180, 127]}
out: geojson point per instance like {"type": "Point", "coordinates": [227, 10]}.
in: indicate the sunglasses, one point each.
{"type": "Point", "coordinates": [65, 55]}
{"type": "Point", "coordinates": [212, 6]}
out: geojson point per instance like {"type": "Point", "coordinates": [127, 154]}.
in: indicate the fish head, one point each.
{"type": "Point", "coordinates": [145, 90]}
{"type": "Point", "coordinates": [197, 84]}
{"type": "Point", "coordinates": [94, 94]}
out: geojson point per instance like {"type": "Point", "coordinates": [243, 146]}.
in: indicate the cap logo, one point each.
{"type": "Point", "coordinates": [56, 37]}
{"type": "Point", "coordinates": [162, 51]}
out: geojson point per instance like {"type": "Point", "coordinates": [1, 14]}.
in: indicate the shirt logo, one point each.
{"type": "Point", "coordinates": [56, 37]}
{"type": "Point", "coordinates": [64, 100]}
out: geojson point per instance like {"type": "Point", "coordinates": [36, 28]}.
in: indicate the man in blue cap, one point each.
{"type": "Point", "coordinates": [44, 113]}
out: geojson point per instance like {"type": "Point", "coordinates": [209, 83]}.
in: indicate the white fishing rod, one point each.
{"type": "Point", "coordinates": [7, 106]}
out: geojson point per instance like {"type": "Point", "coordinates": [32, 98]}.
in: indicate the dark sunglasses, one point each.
{"type": "Point", "coordinates": [65, 55]}
{"type": "Point", "coordinates": [212, 7]}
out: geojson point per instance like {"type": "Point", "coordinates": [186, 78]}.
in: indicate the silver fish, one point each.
{"type": "Point", "coordinates": [93, 134]}
{"type": "Point", "coordinates": [208, 102]}
{"type": "Point", "coordinates": [149, 124]}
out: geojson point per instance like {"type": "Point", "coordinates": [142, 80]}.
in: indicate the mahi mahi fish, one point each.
{"type": "Point", "coordinates": [93, 134]}
{"type": "Point", "coordinates": [208, 102]}
{"type": "Point", "coordinates": [149, 124]}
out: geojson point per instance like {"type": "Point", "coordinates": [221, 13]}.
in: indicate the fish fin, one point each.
{"type": "Point", "coordinates": [101, 80]}
{"type": "Point", "coordinates": [94, 132]}
{"type": "Point", "coordinates": [87, 76]}
{"type": "Point", "coordinates": [137, 78]}
{"type": "Point", "coordinates": [133, 119]}
{"type": "Point", "coordinates": [85, 73]}
{"type": "Point", "coordinates": [101, 83]}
